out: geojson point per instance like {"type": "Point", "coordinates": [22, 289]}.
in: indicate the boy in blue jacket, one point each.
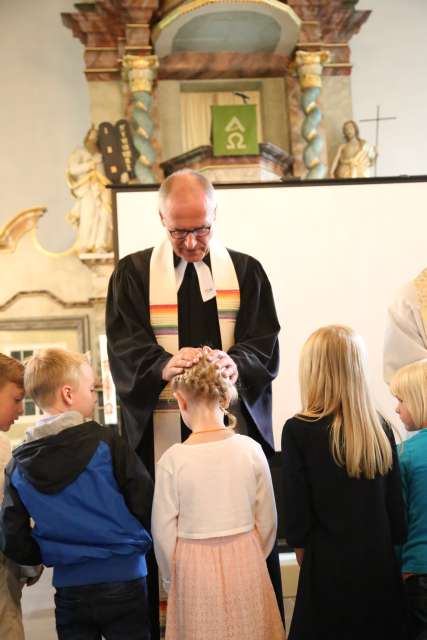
{"type": "Point", "coordinates": [89, 497]}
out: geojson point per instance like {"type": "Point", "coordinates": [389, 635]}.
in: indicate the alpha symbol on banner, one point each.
{"type": "Point", "coordinates": [235, 130]}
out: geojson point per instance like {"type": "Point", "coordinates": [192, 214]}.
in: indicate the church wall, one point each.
{"type": "Point", "coordinates": [336, 94]}
{"type": "Point", "coordinates": [51, 301]}
{"type": "Point", "coordinates": [274, 118]}
{"type": "Point", "coordinates": [44, 113]}
{"type": "Point", "coordinates": [106, 101]}
{"type": "Point", "coordinates": [169, 106]}
{"type": "Point", "coordinates": [389, 56]}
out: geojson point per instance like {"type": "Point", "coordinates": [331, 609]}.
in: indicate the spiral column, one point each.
{"type": "Point", "coordinates": [140, 73]}
{"type": "Point", "coordinates": [310, 67]}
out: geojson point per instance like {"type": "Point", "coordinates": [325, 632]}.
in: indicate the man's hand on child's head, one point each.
{"type": "Point", "coordinates": [224, 363]}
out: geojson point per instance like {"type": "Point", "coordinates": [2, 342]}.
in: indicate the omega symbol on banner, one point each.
{"type": "Point", "coordinates": [235, 138]}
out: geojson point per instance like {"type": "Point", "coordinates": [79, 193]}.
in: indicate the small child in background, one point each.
{"type": "Point", "coordinates": [214, 521]}
{"type": "Point", "coordinates": [11, 407]}
{"type": "Point", "coordinates": [90, 499]}
{"type": "Point", "coordinates": [12, 576]}
{"type": "Point", "coordinates": [409, 385]}
{"type": "Point", "coordinates": [343, 505]}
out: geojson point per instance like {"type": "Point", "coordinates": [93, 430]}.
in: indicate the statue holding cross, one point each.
{"type": "Point", "coordinates": [355, 157]}
{"type": "Point", "coordinates": [377, 121]}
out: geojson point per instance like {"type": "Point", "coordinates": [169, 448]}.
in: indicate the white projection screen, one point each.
{"type": "Point", "coordinates": [334, 253]}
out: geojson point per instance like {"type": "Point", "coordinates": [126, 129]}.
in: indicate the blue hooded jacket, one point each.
{"type": "Point", "coordinates": [90, 498]}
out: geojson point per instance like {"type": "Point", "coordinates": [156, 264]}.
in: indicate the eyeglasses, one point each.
{"type": "Point", "coordinates": [181, 234]}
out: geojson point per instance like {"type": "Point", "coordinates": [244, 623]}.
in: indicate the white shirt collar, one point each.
{"type": "Point", "coordinates": [204, 276]}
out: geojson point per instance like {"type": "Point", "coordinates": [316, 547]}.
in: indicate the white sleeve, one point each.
{"type": "Point", "coordinates": [405, 338]}
{"type": "Point", "coordinates": [265, 506]}
{"type": "Point", "coordinates": [164, 522]}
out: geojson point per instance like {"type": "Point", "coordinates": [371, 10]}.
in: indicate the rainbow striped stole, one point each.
{"type": "Point", "coordinates": [228, 304]}
{"type": "Point", "coordinates": [163, 307]}
{"type": "Point", "coordinates": [164, 319]}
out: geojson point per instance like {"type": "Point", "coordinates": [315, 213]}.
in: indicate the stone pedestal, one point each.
{"type": "Point", "coordinates": [271, 165]}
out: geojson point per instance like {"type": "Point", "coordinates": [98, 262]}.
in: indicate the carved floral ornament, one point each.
{"type": "Point", "coordinates": [310, 66]}
{"type": "Point", "coordinates": [140, 72]}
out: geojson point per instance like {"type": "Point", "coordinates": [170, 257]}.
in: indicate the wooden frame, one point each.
{"type": "Point", "coordinates": [80, 324]}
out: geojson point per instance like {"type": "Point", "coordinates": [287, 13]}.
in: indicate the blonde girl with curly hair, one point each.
{"type": "Point", "coordinates": [214, 520]}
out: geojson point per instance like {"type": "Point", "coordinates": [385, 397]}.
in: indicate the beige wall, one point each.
{"type": "Point", "coordinates": [169, 107]}
{"type": "Point", "coordinates": [336, 93]}
{"type": "Point", "coordinates": [389, 58]}
{"type": "Point", "coordinates": [106, 101]}
{"type": "Point", "coordinates": [44, 112]}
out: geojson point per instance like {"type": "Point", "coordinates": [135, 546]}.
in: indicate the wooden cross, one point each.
{"type": "Point", "coordinates": [377, 120]}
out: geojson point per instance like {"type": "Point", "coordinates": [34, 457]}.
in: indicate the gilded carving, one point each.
{"type": "Point", "coordinates": [140, 72]}
{"type": "Point", "coordinates": [310, 66]}
{"type": "Point", "coordinates": [12, 231]}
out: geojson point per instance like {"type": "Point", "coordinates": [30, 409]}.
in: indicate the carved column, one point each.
{"type": "Point", "coordinates": [310, 66]}
{"type": "Point", "coordinates": [140, 73]}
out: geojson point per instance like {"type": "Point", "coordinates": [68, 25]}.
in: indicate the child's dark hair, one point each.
{"type": "Point", "coordinates": [205, 381]}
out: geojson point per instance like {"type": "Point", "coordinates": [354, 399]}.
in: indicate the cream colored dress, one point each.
{"type": "Point", "coordinates": [221, 590]}
{"type": "Point", "coordinates": [10, 587]}
{"type": "Point", "coordinates": [214, 523]}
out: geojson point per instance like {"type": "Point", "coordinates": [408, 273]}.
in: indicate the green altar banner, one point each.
{"type": "Point", "coordinates": [234, 130]}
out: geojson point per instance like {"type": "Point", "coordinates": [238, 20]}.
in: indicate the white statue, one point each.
{"type": "Point", "coordinates": [355, 157]}
{"type": "Point", "coordinates": [91, 213]}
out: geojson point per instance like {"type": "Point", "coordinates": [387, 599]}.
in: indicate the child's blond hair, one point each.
{"type": "Point", "coordinates": [11, 370]}
{"type": "Point", "coordinates": [409, 385]}
{"type": "Point", "coordinates": [48, 370]}
{"type": "Point", "coordinates": [205, 381]}
{"type": "Point", "coordinates": [333, 382]}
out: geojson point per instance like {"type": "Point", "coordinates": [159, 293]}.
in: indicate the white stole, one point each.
{"type": "Point", "coordinates": [164, 321]}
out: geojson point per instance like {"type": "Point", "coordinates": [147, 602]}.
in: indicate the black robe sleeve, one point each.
{"type": "Point", "coordinates": [256, 348]}
{"type": "Point", "coordinates": [136, 360]}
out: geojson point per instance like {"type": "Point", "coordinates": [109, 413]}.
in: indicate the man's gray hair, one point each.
{"type": "Point", "coordinates": [167, 186]}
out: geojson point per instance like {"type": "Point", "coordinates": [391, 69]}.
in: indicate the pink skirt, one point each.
{"type": "Point", "coordinates": [221, 590]}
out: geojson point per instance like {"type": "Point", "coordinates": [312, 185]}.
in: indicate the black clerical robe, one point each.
{"type": "Point", "coordinates": [137, 360]}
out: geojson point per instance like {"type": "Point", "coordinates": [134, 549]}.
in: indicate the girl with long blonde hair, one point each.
{"type": "Point", "coordinates": [343, 508]}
